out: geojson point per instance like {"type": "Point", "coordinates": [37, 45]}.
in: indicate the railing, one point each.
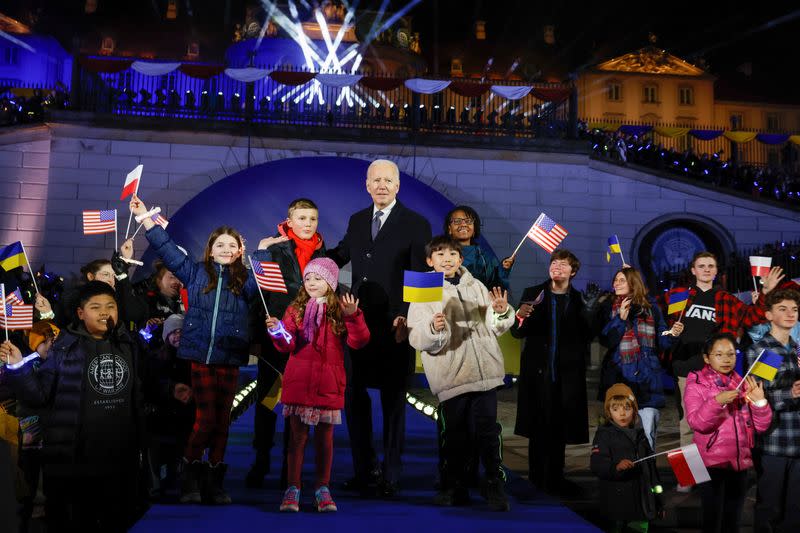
{"type": "Point", "coordinates": [751, 153]}
{"type": "Point", "coordinates": [221, 98]}
{"type": "Point", "coordinates": [24, 102]}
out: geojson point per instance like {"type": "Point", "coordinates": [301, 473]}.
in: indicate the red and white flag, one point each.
{"type": "Point", "coordinates": [759, 266]}
{"type": "Point", "coordinates": [131, 182]}
{"type": "Point", "coordinates": [96, 222]}
{"type": "Point", "coordinates": [268, 276]}
{"type": "Point", "coordinates": [688, 465]}
{"type": "Point", "coordinates": [546, 233]}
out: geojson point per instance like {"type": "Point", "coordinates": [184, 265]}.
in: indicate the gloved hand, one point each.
{"type": "Point", "coordinates": [280, 332]}
{"type": "Point", "coordinates": [591, 295]}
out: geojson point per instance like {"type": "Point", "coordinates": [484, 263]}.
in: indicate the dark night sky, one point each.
{"type": "Point", "coordinates": [723, 33]}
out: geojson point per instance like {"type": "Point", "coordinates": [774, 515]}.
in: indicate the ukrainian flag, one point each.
{"type": "Point", "coordinates": [677, 302]}
{"type": "Point", "coordinates": [12, 256]}
{"type": "Point", "coordinates": [767, 365]}
{"type": "Point", "coordinates": [613, 245]}
{"type": "Point", "coordinates": [272, 398]}
{"type": "Point", "coordinates": [423, 286]}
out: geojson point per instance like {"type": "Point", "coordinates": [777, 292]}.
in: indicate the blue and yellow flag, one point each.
{"type": "Point", "coordinates": [613, 247]}
{"type": "Point", "coordinates": [767, 365]}
{"type": "Point", "coordinates": [677, 302]}
{"type": "Point", "coordinates": [12, 256]}
{"type": "Point", "coordinates": [423, 286]}
{"type": "Point", "coordinates": [272, 398]}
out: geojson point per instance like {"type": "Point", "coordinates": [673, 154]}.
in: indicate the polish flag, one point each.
{"type": "Point", "coordinates": [688, 466]}
{"type": "Point", "coordinates": [759, 266]}
{"type": "Point", "coordinates": [131, 182]}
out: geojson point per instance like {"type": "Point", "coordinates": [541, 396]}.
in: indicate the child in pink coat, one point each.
{"type": "Point", "coordinates": [725, 421]}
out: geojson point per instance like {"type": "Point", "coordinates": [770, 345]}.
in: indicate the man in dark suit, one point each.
{"type": "Point", "coordinates": [381, 242]}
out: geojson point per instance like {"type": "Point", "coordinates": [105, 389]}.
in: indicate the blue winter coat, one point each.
{"type": "Point", "coordinates": [215, 331]}
{"type": "Point", "coordinates": [643, 375]}
{"type": "Point", "coordinates": [484, 266]}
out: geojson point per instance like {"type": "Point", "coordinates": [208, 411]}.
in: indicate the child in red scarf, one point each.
{"type": "Point", "coordinates": [296, 243]}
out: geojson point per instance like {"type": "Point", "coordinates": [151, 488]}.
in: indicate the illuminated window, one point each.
{"type": "Point", "coordinates": [456, 68]}
{"type": "Point", "coordinates": [650, 94]}
{"type": "Point", "coordinates": [614, 92]}
{"type": "Point", "coordinates": [107, 46]}
{"type": "Point", "coordinates": [686, 96]}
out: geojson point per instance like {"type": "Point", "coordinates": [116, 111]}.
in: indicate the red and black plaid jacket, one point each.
{"type": "Point", "coordinates": [731, 312]}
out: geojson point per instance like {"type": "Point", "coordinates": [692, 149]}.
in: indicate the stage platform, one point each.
{"type": "Point", "coordinates": [411, 511]}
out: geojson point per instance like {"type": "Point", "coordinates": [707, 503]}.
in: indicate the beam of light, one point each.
{"type": "Point", "coordinates": [16, 41]}
{"type": "Point", "coordinates": [739, 36]}
{"type": "Point", "coordinates": [373, 29]}
{"type": "Point", "coordinates": [295, 30]}
{"type": "Point", "coordinates": [388, 23]}
{"type": "Point", "coordinates": [270, 11]}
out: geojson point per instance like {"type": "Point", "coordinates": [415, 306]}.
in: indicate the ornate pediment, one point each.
{"type": "Point", "coordinates": [651, 60]}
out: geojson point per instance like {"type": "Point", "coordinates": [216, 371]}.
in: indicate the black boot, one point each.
{"type": "Point", "coordinates": [260, 468]}
{"type": "Point", "coordinates": [495, 494]}
{"type": "Point", "coordinates": [214, 493]}
{"type": "Point", "coordinates": [192, 475]}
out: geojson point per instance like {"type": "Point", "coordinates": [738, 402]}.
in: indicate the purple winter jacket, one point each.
{"type": "Point", "coordinates": [725, 435]}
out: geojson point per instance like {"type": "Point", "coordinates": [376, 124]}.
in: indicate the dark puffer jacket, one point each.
{"type": "Point", "coordinates": [56, 388]}
{"type": "Point", "coordinates": [216, 328]}
{"type": "Point", "coordinates": [631, 494]}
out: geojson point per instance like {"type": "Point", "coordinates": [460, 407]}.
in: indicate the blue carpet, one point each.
{"type": "Point", "coordinates": [412, 511]}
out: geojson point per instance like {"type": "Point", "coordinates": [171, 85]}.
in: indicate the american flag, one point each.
{"type": "Point", "coordinates": [161, 221]}
{"type": "Point", "coordinates": [268, 276]}
{"type": "Point", "coordinates": [96, 222]}
{"type": "Point", "coordinates": [15, 297]}
{"type": "Point", "coordinates": [17, 316]}
{"type": "Point", "coordinates": [546, 233]}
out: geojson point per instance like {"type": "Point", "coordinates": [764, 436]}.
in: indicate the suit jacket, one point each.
{"type": "Point", "coordinates": [377, 268]}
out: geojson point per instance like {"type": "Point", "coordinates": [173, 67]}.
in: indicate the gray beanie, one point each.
{"type": "Point", "coordinates": [172, 323]}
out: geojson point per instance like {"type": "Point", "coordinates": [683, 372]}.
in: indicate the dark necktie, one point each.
{"type": "Point", "coordinates": [376, 223]}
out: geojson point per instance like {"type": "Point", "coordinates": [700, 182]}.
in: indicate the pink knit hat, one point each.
{"type": "Point", "coordinates": [326, 269]}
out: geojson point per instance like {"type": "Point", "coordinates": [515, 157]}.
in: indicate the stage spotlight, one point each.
{"type": "Point", "coordinates": [205, 101]}
{"type": "Point", "coordinates": [219, 101]}
{"type": "Point", "coordinates": [144, 97]}
{"type": "Point", "coordinates": [161, 98]}
{"type": "Point", "coordinates": [188, 100]}
{"type": "Point", "coordinates": [174, 99]}
{"type": "Point", "coordinates": [236, 102]}
{"type": "Point", "coordinates": [451, 115]}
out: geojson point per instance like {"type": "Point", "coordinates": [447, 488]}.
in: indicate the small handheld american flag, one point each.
{"type": "Point", "coordinates": [546, 233]}
{"type": "Point", "coordinates": [15, 316]}
{"type": "Point", "coordinates": [97, 222]}
{"type": "Point", "coordinates": [161, 221]}
{"type": "Point", "coordinates": [268, 276]}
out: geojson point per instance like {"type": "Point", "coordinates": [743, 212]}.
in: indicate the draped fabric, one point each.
{"type": "Point", "coordinates": [202, 72]}
{"type": "Point", "coordinates": [740, 136]}
{"type": "Point", "coordinates": [671, 132]}
{"type": "Point", "coordinates": [705, 135]}
{"type": "Point", "coordinates": [551, 94]}
{"type": "Point", "coordinates": [154, 69]}
{"type": "Point", "coordinates": [469, 89]}
{"type": "Point", "coordinates": [511, 92]}
{"type": "Point", "coordinates": [248, 74]}
{"type": "Point", "coordinates": [338, 80]}
{"type": "Point", "coordinates": [794, 139]}
{"type": "Point", "coordinates": [423, 86]}
{"type": "Point", "coordinates": [638, 130]}
{"type": "Point", "coordinates": [772, 138]}
{"type": "Point", "coordinates": [380, 84]}
{"type": "Point", "coordinates": [105, 66]}
{"type": "Point", "coordinates": [291, 78]}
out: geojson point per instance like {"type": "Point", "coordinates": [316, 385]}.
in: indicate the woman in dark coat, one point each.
{"type": "Point", "coordinates": [551, 401]}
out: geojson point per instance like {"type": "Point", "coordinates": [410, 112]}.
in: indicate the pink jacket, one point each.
{"type": "Point", "coordinates": [315, 375]}
{"type": "Point", "coordinates": [725, 435]}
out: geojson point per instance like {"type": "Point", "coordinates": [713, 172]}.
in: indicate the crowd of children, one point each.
{"type": "Point", "coordinates": [98, 401]}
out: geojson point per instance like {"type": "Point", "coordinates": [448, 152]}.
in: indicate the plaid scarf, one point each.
{"type": "Point", "coordinates": [630, 346]}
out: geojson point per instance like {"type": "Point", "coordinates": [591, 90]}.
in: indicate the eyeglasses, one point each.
{"type": "Point", "coordinates": [461, 221]}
